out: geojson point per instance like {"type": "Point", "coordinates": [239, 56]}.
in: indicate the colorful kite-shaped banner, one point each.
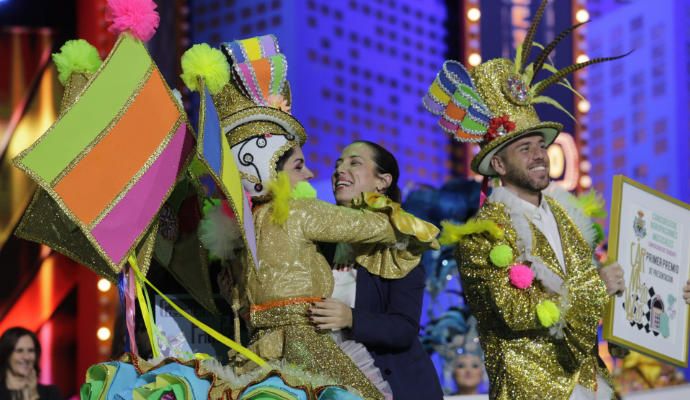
{"type": "Point", "coordinates": [113, 157]}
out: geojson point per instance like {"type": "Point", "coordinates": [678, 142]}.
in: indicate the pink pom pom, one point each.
{"type": "Point", "coordinates": [138, 17]}
{"type": "Point", "coordinates": [521, 276]}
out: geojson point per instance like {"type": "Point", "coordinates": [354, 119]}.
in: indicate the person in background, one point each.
{"type": "Point", "coordinates": [20, 353]}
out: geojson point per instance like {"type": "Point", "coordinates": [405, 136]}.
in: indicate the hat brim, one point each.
{"type": "Point", "coordinates": [481, 163]}
{"type": "Point", "coordinates": [262, 114]}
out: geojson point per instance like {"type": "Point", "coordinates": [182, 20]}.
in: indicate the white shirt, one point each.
{"type": "Point", "coordinates": [542, 218]}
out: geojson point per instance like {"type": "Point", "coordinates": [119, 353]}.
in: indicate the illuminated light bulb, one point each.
{"type": "Point", "coordinates": [474, 59]}
{"type": "Point", "coordinates": [103, 334]}
{"type": "Point", "coordinates": [582, 15]}
{"type": "Point", "coordinates": [583, 106]}
{"type": "Point", "coordinates": [473, 14]}
{"type": "Point", "coordinates": [585, 166]}
{"type": "Point", "coordinates": [582, 58]}
{"type": "Point", "coordinates": [585, 181]}
{"type": "Point", "coordinates": [104, 285]}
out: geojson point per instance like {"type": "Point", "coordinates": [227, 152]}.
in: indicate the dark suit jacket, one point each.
{"type": "Point", "coordinates": [386, 321]}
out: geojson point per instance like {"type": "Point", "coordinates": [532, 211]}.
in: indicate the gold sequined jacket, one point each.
{"type": "Point", "coordinates": [292, 273]}
{"type": "Point", "coordinates": [525, 360]}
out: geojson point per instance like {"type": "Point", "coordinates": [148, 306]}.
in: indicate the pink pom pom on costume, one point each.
{"type": "Point", "coordinates": [138, 17]}
{"type": "Point", "coordinates": [521, 276]}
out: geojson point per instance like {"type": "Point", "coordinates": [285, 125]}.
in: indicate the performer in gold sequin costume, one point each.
{"type": "Point", "coordinates": [291, 274]}
{"type": "Point", "coordinates": [526, 259]}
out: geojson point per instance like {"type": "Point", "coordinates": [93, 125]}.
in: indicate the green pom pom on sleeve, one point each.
{"type": "Point", "coordinates": [501, 255]}
{"type": "Point", "coordinates": [548, 313]}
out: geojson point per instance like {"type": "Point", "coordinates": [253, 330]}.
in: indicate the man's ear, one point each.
{"type": "Point", "coordinates": [498, 165]}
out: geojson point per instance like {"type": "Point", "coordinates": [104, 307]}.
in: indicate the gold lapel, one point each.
{"type": "Point", "coordinates": [542, 249]}
{"type": "Point", "coordinates": [576, 246]}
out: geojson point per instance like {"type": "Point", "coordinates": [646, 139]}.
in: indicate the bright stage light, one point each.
{"type": "Point", "coordinates": [103, 334]}
{"type": "Point", "coordinates": [583, 106]}
{"type": "Point", "coordinates": [582, 58]}
{"type": "Point", "coordinates": [473, 14]}
{"type": "Point", "coordinates": [474, 59]}
{"type": "Point", "coordinates": [585, 181]}
{"type": "Point", "coordinates": [104, 285]}
{"type": "Point", "coordinates": [582, 15]}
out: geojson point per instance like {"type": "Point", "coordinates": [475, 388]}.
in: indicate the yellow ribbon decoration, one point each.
{"type": "Point", "coordinates": [145, 307]}
{"type": "Point", "coordinates": [207, 329]}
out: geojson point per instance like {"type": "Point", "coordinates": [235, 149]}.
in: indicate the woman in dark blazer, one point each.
{"type": "Point", "coordinates": [386, 312]}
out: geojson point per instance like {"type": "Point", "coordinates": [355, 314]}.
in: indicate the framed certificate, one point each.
{"type": "Point", "coordinates": [649, 236]}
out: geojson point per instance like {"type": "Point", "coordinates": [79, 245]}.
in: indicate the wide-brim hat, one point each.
{"type": "Point", "coordinates": [493, 105]}
{"type": "Point", "coordinates": [500, 88]}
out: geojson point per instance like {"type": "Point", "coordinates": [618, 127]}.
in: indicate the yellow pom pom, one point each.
{"type": "Point", "coordinates": [548, 313]}
{"type": "Point", "coordinates": [501, 255]}
{"type": "Point", "coordinates": [203, 61]}
{"type": "Point", "coordinates": [76, 56]}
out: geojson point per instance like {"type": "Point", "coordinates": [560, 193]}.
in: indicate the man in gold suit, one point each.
{"type": "Point", "coordinates": [526, 259]}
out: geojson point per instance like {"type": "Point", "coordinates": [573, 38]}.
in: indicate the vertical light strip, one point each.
{"type": "Point", "coordinates": [471, 57]}
{"type": "Point", "coordinates": [580, 14]}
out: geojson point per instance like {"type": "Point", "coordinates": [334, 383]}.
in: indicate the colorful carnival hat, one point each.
{"type": "Point", "coordinates": [253, 105]}
{"type": "Point", "coordinates": [255, 111]}
{"type": "Point", "coordinates": [493, 105]}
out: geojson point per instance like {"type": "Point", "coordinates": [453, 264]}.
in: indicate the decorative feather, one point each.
{"type": "Point", "coordinates": [452, 233]}
{"type": "Point", "coordinates": [542, 57]}
{"type": "Point", "coordinates": [281, 190]}
{"type": "Point", "coordinates": [592, 204]}
{"type": "Point", "coordinates": [550, 101]}
{"type": "Point", "coordinates": [303, 190]}
{"type": "Point", "coordinates": [529, 37]}
{"type": "Point", "coordinates": [219, 232]}
{"type": "Point", "coordinates": [568, 70]}
{"type": "Point", "coordinates": [138, 17]}
{"type": "Point", "coordinates": [203, 61]}
{"type": "Point", "coordinates": [76, 56]}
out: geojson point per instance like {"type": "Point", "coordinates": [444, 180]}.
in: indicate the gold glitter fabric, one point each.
{"type": "Point", "coordinates": [311, 349]}
{"type": "Point", "coordinates": [290, 265]}
{"type": "Point", "coordinates": [523, 360]}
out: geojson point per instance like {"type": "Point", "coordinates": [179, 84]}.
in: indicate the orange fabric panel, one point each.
{"type": "Point", "coordinates": [262, 68]}
{"type": "Point", "coordinates": [104, 172]}
{"type": "Point", "coordinates": [464, 135]}
{"type": "Point", "coordinates": [455, 112]}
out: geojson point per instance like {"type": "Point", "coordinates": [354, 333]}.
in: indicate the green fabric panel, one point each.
{"type": "Point", "coordinates": [94, 111]}
{"type": "Point", "coordinates": [471, 125]}
{"type": "Point", "coordinates": [463, 101]}
{"type": "Point", "coordinates": [278, 63]}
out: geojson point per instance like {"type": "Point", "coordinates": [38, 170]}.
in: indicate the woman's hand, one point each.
{"type": "Point", "coordinates": [331, 314]}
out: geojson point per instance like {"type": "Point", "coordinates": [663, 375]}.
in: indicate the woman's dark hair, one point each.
{"type": "Point", "coordinates": [280, 164]}
{"type": "Point", "coordinates": [386, 164]}
{"type": "Point", "coordinates": [8, 342]}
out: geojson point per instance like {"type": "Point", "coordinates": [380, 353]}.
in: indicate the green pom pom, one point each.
{"type": "Point", "coordinates": [548, 313]}
{"type": "Point", "coordinates": [303, 190]}
{"type": "Point", "coordinates": [501, 255]}
{"type": "Point", "coordinates": [203, 61]}
{"type": "Point", "coordinates": [76, 56]}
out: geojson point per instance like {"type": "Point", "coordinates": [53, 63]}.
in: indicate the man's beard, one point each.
{"type": "Point", "coordinates": [521, 179]}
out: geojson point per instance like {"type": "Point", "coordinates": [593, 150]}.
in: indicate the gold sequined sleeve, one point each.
{"type": "Point", "coordinates": [488, 287]}
{"type": "Point", "coordinates": [324, 222]}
